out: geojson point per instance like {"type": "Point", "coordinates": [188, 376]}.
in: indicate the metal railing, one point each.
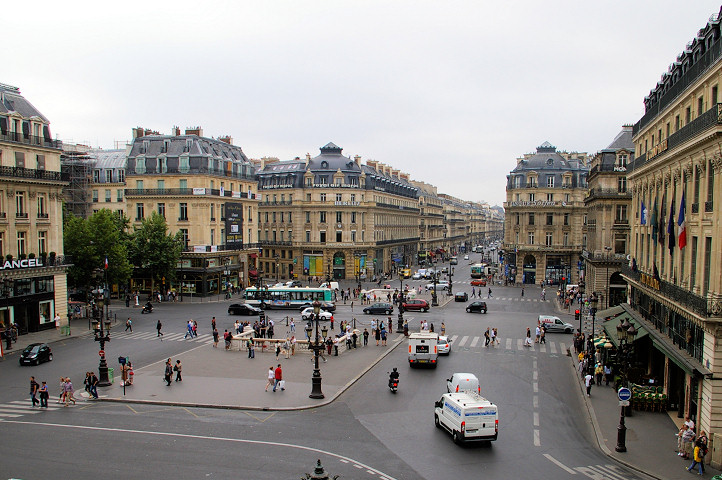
{"type": "Point", "coordinates": [18, 137]}
{"type": "Point", "coordinates": [672, 292]}
{"type": "Point", "coordinates": [19, 172]}
{"type": "Point", "coordinates": [182, 192]}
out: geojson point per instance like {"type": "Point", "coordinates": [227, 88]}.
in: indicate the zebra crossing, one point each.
{"type": "Point", "coordinates": [509, 299]}
{"type": "Point", "coordinates": [468, 343]}
{"type": "Point", "coordinates": [18, 408]}
{"type": "Point", "coordinates": [205, 338]}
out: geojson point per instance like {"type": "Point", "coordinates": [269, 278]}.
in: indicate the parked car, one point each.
{"type": "Point", "coordinates": [439, 286]}
{"type": "Point", "coordinates": [35, 354]}
{"type": "Point", "coordinates": [476, 307]}
{"type": "Point", "coordinates": [307, 314]}
{"type": "Point", "coordinates": [478, 282]}
{"type": "Point", "coordinates": [417, 304]}
{"type": "Point", "coordinates": [466, 257]}
{"type": "Point", "coordinates": [378, 308]}
{"type": "Point", "coordinates": [416, 276]}
{"type": "Point", "coordinates": [243, 309]}
{"type": "Point", "coordinates": [444, 347]}
{"type": "Point", "coordinates": [461, 297]}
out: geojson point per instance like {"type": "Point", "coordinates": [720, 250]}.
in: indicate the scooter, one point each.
{"type": "Point", "coordinates": [147, 308]}
{"type": "Point", "coordinates": [393, 384]}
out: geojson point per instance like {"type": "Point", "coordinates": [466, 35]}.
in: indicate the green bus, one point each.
{"type": "Point", "coordinates": [286, 297]}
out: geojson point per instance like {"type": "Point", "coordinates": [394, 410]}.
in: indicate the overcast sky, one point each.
{"type": "Point", "coordinates": [451, 92]}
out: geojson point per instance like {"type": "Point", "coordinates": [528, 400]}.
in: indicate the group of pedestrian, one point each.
{"type": "Point", "coordinates": [378, 330]}
{"type": "Point", "coordinates": [39, 390]}
{"type": "Point", "coordinates": [491, 336]}
{"type": "Point", "coordinates": [67, 392]}
{"type": "Point", "coordinates": [91, 384]}
{"type": "Point", "coordinates": [275, 378]}
{"type": "Point", "coordinates": [692, 446]}
{"type": "Point", "coordinates": [169, 369]}
{"type": "Point", "coordinates": [191, 329]}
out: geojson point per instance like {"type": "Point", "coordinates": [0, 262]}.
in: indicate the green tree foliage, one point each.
{"type": "Point", "coordinates": [154, 251]}
{"type": "Point", "coordinates": [89, 242]}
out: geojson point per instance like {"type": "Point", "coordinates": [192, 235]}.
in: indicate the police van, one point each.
{"type": "Point", "coordinates": [467, 416]}
{"type": "Point", "coordinates": [423, 349]}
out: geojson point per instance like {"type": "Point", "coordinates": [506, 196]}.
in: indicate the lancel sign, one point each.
{"type": "Point", "coordinates": [25, 263]}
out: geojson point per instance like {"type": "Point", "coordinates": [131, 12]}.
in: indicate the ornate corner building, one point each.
{"type": "Point", "coordinates": [545, 230]}
{"type": "Point", "coordinates": [332, 217]}
{"type": "Point", "coordinates": [608, 205]}
{"type": "Point", "coordinates": [206, 189]}
{"type": "Point", "coordinates": [33, 281]}
{"type": "Point", "coordinates": [675, 273]}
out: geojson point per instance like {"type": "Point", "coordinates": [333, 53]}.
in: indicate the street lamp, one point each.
{"type": "Point", "coordinates": [451, 275]}
{"type": "Point", "coordinates": [606, 277]}
{"type": "Point", "coordinates": [625, 333]}
{"type": "Point", "coordinates": [434, 298]}
{"type": "Point", "coordinates": [102, 335]}
{"type": "Point", "coordinates": [316, 347]}
{"type": "Point", "coordinates": [278, 266]}
{"type": "Point", "coordinates": [593, 302]}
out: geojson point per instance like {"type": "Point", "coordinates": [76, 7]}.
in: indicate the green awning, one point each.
{"type": "Point", "coordinates": [674, 354]}
{"type": "Point", "coordinates": [610, 327]}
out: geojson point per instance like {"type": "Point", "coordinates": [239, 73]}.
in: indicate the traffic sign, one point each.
{"type": "Point", "coordinates": [101, 353]}
{"type": "Point", "coordinates": [624, 403]}
{"type": "Point", "coordinates": [624, 394]}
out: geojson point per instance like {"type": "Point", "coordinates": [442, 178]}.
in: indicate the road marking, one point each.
{"type": "Point", "coordinates": [553, 348]}
{"type": "Point", "coordinates": [535, 401]}
{"type": "Point", "coordinates": [559, 464]}
{"type": "Point", "coordinates": [508, 343]}
{"type": "Point", "coordinates": [562, 347]}
{"type": "Point", "coordinates": [474, 342]}
{"type": "Point", "coordinates": [536, 419]}
{"type": "Point", "coordinates": [463, 340]}
{"type": "Point", "coordinates": [535, 375]}
{"type": "Point", "coordinates": [537, 441]}
{"type": "Point", "coordinates": [202, 437]}
{"type": "Point", "coordinates": [603, 472]}
{"type": "Point", "coordinates": [453, 338]}
{"type": "Point", "coordinates": [535, 387]}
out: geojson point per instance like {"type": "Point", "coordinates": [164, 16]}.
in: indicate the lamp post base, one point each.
{"type": "Point", "coordinates": [103, 378]}
{"type": "Point", "coordinates": [621, 434]}
{"type": "Point", "coordinates": [316, 386]}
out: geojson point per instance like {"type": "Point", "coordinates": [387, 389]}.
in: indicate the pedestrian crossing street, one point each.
{"type": "Point", "coordinates": [18, 408]}
{"type": "Point", "coordinates": [467, 343]}
{"type": "Point", "coordinates": [203, 338]}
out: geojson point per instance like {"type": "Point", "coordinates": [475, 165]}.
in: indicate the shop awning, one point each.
{"type": "Point", "coordinates": [610, 327]}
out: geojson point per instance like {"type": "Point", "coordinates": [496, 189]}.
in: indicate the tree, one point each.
{"type": "Point", "coordinates": [154, 251]}
{"type": "Point", "coordinates": [89, 242]}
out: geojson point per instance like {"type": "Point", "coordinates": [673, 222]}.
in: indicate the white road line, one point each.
{"type": "Point", "coordinates": [535, 375]}
{"type": "Point", "coordinates": [463, 340]}
{"type": "Point", "coordinates": [10, 415]}
{"type": "Point", "coordinates": [508, 343]}
{"type": "Point", "coordinates": [537, 441]}
{"type": "Point", "coordinates": [474, 341]}
{"type": "Point", "coordinates": [560, 464]}
{"type": "Point", "coordinates": [535, 401]}
{"type": "Point", "coordinates": [536, 419]}
{"type": "Point", "coordinates": [535, 387]}
{"type": "Point", "coordinates": [200, 437]}
{"type": "Point", "coordinates": [543, 347]}
{"type": "Point", "coordinates": [453, 338]}
{"type": "Point", "coordinates": [562, 347]}
{"type": "Point", "coordinates": [553, 348]}
{"type": "Point", "coordinates": [519, 344]}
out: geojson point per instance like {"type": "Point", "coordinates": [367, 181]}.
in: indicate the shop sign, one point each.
{"type": "Point", "coordinates": [649, 281]}
{"type": "Point", "coordinates": [25, 263]}
{"type": "Point", "coordinates": [537, 203]}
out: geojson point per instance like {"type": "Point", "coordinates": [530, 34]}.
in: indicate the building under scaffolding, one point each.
{"type": "Point", "coordinates": [78, 164]}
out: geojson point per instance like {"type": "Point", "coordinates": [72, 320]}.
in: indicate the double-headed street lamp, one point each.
{"type": "Point", "coordinates": [625, 333]}
{"type": "Point", "coordinates": [102, 335]}
{"type": "Point", "coordinates": [316, 346]}
{"type": "Point", "coordinates": [434, 298]}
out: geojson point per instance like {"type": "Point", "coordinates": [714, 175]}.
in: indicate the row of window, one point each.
{"type": "Point", "coordinates": [183, 211]}
{"type": "Point", "coordinates": [34, 161]}
{"type": "Point", "coordinates": [23, 247]}
{"type": "Point", "coordinates": [21, 204]}
{"type": "Point", "coordinates": [108, 177]}
{"type": "Point", "coordinates": [531, 181]}
{"type": "Point", "coordinates": [109, 195]}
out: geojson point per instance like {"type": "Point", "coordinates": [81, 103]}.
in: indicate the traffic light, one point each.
{"type": "Point", "coordinates": [577, 315]}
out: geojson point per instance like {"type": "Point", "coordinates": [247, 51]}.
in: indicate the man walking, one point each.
{"type": "Point", "coordinates": [189, 333]}
{"type": "Point", "coordinates": [278, 376]}
{"type": "Point", "coordinates": [168, 374]}
{"type": "Point", "coordinates": [34, 387]}
{"type": "Point", "coordinates": [93, 385]}
{"type": "Point", "coordinates": [158, 326]}
{"type": "Point", "coordinates": [129, 325]}
{"type": "Point", "coordinates": [489, 293]}
{"type": "Point", "coordinates": [178, 368]}
{"type": "Point", "coordinates": [44, 394]}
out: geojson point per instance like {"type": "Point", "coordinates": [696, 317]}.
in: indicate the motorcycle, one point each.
{"type": "Point", "coordinates": [147, 308]}
{"type": "Point", "coordinates": [393, 384]}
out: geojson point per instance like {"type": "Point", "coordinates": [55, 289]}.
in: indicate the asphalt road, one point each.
{"type": "Point", "coordinates": [367, 433]}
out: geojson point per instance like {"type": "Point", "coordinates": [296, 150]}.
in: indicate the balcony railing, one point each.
{"type": "Point", "coordinates": [21, 215]}
{"type": "Point", "coordinates": [708, 206]}
{"type": "Point", "coordinates": [18, 137]}
{"type": "Point", "coordinates": [673, 293]}
{"type": "Point", "coordinates": [695, 208]}
{"type": "Point", "coordinates": [182, 192]}
{"type": "Point", "coordinates": [18, 172]}
{"type": "Point", "coordinates": [275, 202]}
{"type": "Point", "coordinates": [43, 215]}
{"type": "Point", "coordinates": [220, 248]}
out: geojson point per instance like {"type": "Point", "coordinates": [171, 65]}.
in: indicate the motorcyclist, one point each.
{"type": "Point", "coordinates": [148, 307]}
{"type": "Point", "coordinates": [393, 376]}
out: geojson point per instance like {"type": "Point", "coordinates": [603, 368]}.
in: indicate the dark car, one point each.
{"type": "Point", "coordinates": [385, 308]}
{"type": "Point", "coordinates": [417, 304]}
{"type": "Point", "coordinates": [461, 297]}
{"type": "Point", "coordinates": [243, 309]}
{"type": "Point", "coordinates": [476, 307]}
{"type": "Point", "coordinates": [35, 354]}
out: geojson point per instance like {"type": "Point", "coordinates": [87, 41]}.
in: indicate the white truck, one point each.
{"type": "Point", "coordinates": [467, 416]}
{"type": "Point", "coordinates": [423, 349]}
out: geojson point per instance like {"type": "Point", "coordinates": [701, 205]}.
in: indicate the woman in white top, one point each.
{"type": "Point", "coordinates": [271, 377]}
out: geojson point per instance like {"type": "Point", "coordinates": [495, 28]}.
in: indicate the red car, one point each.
{"type": "Point", "coordinates": [417, 304]}
{"type": "Point", "coordinates": [478, 282]}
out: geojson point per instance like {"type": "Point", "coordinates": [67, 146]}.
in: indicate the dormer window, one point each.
{"type": "Point", "coordinates": [166, 146]}
{"type": "Point", "coordinates": [146, 145]}
{"type": "Point", "coordinates": [622, 160]}
{"type": "Point", "coordinates": [550, 161]}
{"type": "Point", "coordinates": [550, 181]}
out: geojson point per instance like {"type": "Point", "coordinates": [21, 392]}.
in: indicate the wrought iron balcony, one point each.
{"type": "Point", "coordinates": [672, 292]}
{"type": "Point", "coordinates": [18, 137]}
{"type": "Point", "coordinates": [18, 172]}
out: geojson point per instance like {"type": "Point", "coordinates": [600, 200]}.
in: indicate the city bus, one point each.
{"type": "Point", "coordinates": [286, 297]}
{"type": "Point", "coordinates": [478, 270]}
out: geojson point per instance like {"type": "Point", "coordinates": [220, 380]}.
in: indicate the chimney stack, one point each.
{"type": "Point", "coordinates": [137, 132]}
{"type": "Point", "coordinates": [357, 159]}
{"type": "Point", "coordinates": [176, 131]}
{"type": "Point", "coordinates": [226, 139]}
{"type": "Point", "coordinates": [198, 131]}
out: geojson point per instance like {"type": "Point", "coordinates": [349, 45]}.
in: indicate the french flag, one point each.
{"type": "Point", "coordinates": [682, 226]}
{"type": "Point", "coordinates": [106, 263]}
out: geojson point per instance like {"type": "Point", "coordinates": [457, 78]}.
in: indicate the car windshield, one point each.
{"type": "Point", "coordinates": [32, 349]}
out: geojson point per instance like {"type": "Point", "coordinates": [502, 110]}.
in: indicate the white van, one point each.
{"type": "Point", "coordinates": [467, 416]}
{"type": "Point", "coordinates": [554, 324]}
{"type": "Point", "coordinates": [423, 349]}
{"type": "Point", "coordinates": [463, 382]}
{"type": "Point", "coordinates": [331, 285]}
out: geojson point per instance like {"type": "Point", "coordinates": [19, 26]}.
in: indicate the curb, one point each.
{"type": "Point", "coordinates": [341, 391]}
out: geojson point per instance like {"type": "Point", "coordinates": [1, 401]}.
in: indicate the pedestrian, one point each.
{"type": "Point", "coordinates": [293, 345]}
{"type": "Point", "coordinates": [127, 300]}
{"type": "Point", "coordinates": [251, 348]}
{"type": "Point", "coordinates": [354, 338]}
{"type": "Point", "coordinates": [588, 383]}
{"type": "Point", "coordinates": [329, 345]}
{"type": "Point", "coordinates": [537, 334]}
{"type": "Point", "coordinates": [697, 460]}
{"type": "Point", "coordinates": [271, 378]}
{"type": "Point", "coordinates": [293, 326]}
{"type": "Point", "coordinates": [473, 292]}
{"type": "Point", "coordinates": [195, 328]}
{"type": "Point", "coordinates": [377, 336]}
{"type": "Point", "coordinates": [366, 337]}
{"type": "Point", "coordinates": [189, 332]}
{"type": "Point", "coordinates": [599, 373]}
{"type": "Point", "coordinates": [34, 387]}
{"type": "Point", "coordinates": [61, 397]}
{"type": "Point", "coordinates": [543, 334]}
{"type": "Point", "coordinates": [527, 340]}
{"type": "Point", "coordinates": [278, 374]}
{"type": "Point", "coordinates": [69, 391]}
{"type": "Point", "coordinates": [431, 329]}
{"type": "Point", "coordinates": [487, 337]}
{"type": "Point", "coordinates": [687, 443]}
{"type": "Point", "coordinates": [227, 339]}
{"type": "Point", "coordinates": [335, 345]}
{"type": "Point", "coordinates": [522, 292]}
{"type": "Point", "coordinates": [702, 442]}
{"type": "Point", "coordinates": [86, 382]}
{"type": "Point", "coordinates": [158, 326]}
{"type": "Point", "coordinates": [168, 374]}
{"type": "Point", "coordinates": [278, 349]}
{"type": "Point", "coordinates": [213, 324]}
{"type": "Point", "coordinates": [129, 325]}
{"type": "Point", "coordinates": [489, 293]}
{"type": "Point", "coordinates": [178, 368]}
{"type": "Point", "coordinates": [607, 374]}
{"type": "Point", "coordinates": [383, 336]}
{"type": "Point", "coordinates": [44, 394]}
